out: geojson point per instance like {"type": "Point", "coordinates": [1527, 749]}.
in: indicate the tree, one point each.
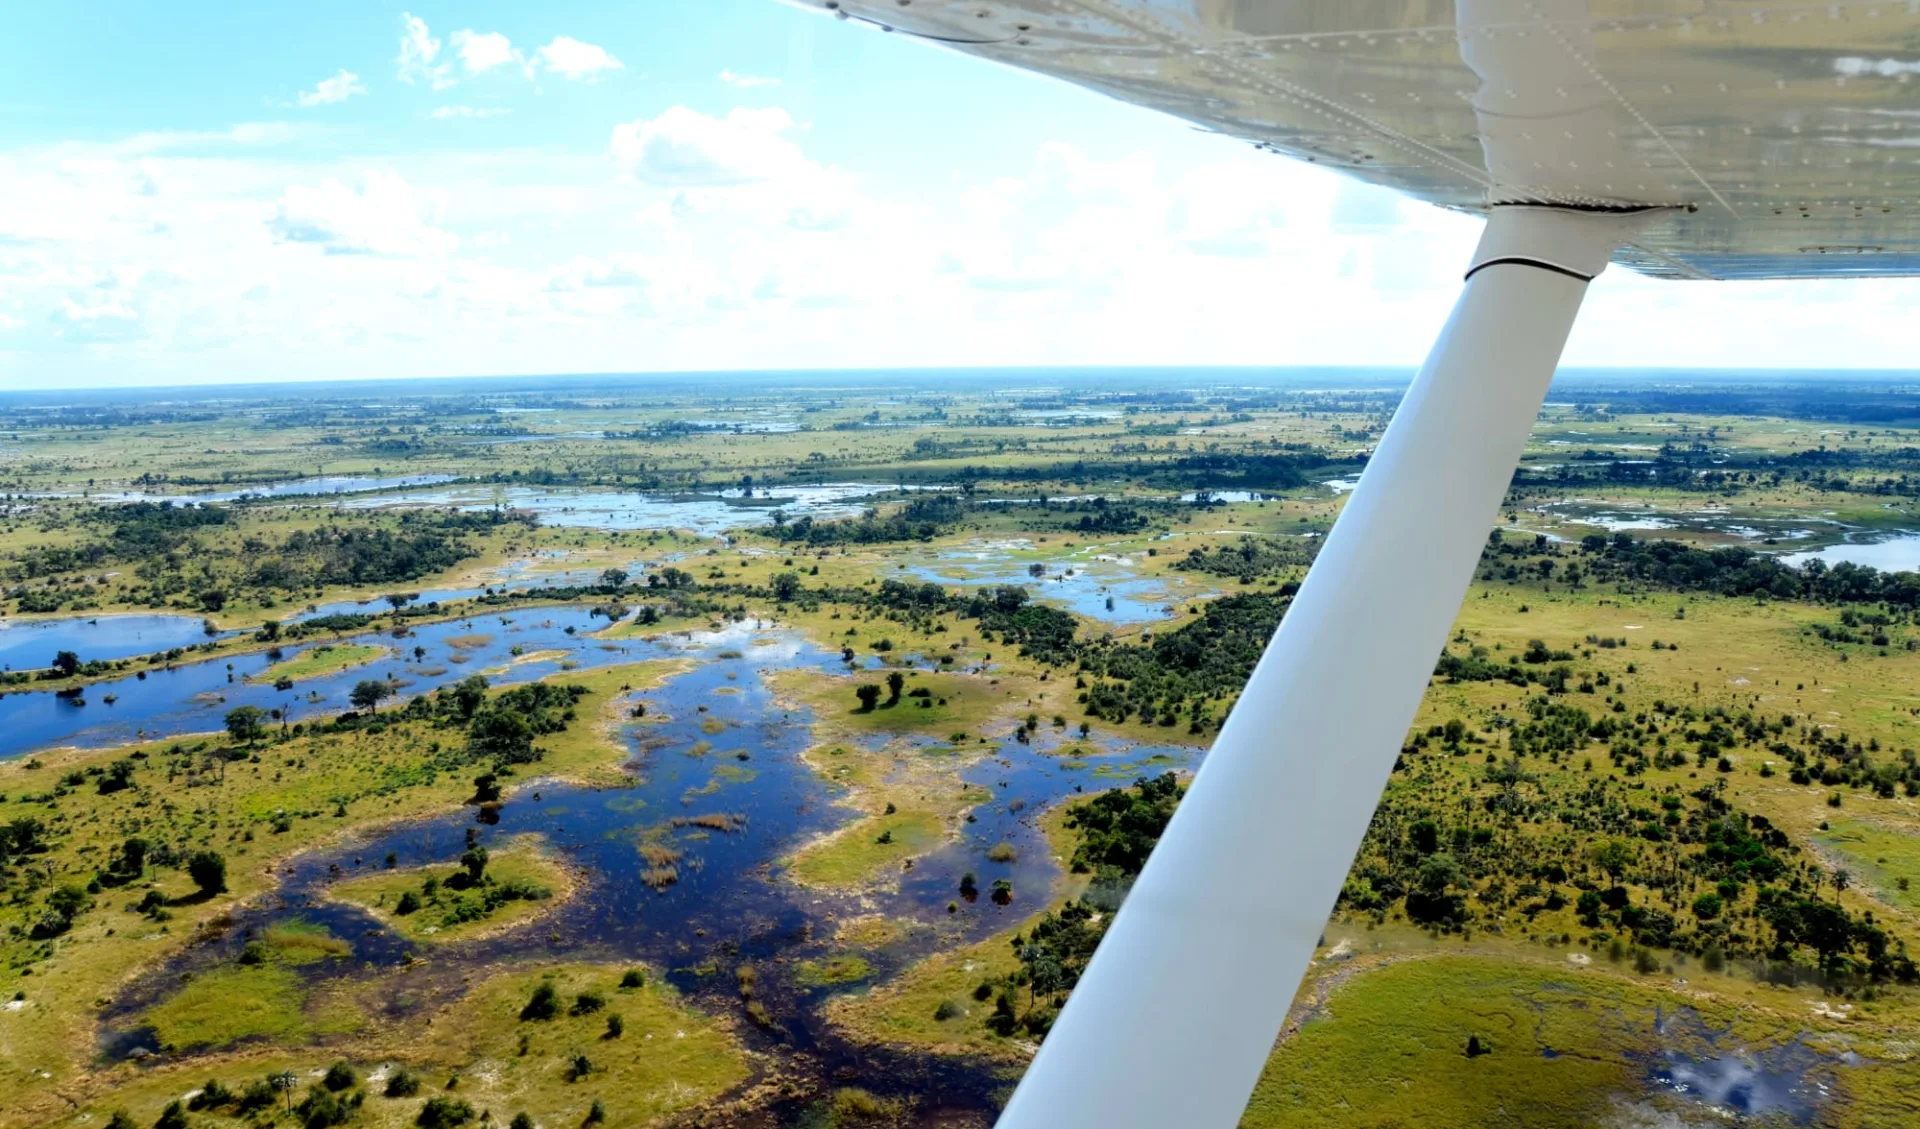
{"type": "Point", "coordinates": [475, 860]}
{"type": "Point", "coordinates": [285, 1082]}
{"type": "Point", "coordinates": [66, 664]}
{"type": "Point", "coordinates": [503, 735]}
{"type": "Point", "coordinates": [486, 788]}
{"type": "Point", "coordinates": [869, 696]}
{"type": "Point", "coordinates": [368, 693]}
{"type": "Point", "coordinates": [246, 724]}
{"type": "Point", "coordinates": [133, 857]}
{"type": "Point", "coordinates": [1613, 856]}
{"type": "Point", "coordinates": [786, 586]}
{"type": "Point", "coordinates": [208, 871]}
{"type": "Point", "coordinates": [895, 683]}
{"type": "Point", "coordinates": [174, 1116]}
{"type": "Point", "coordinates": [613, 578]}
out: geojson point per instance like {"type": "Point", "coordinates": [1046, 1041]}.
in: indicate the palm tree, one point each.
{"type": "Point", "coordinates": [285, 1082]}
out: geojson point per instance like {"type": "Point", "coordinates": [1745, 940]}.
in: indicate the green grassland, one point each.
{"type": "Point", "coordinates": [667, 1057]}
{"type": "Point", "coordinates": [452, 912]}
{"type": "Point", "coordinates": [322, 659]}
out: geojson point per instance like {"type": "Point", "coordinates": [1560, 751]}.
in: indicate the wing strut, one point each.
{"type": "Point", "coordinates": [1179, 1009]}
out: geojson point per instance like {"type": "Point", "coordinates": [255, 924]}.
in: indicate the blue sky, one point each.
{"type": "Point", "coordinates": [199, 192]}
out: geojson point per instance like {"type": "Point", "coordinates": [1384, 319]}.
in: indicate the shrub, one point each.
{"type": "Point", "coordinates": [615, 1026]}
{"type": "Point", "coordinates": [211, 1096]}
{"type": "Point", "coordinates": [586, 1003]}
{"type": "Point", "coordinates": [409, 903]}
{"type": "Point", "coordinates": [440, 1112]}
{"type": "Point", "coordinates": [402, 1083]}
{"type": "Point", "coordinates": [579, 1067]}
{"type": "Point", "coordinates": [545, 1003]}
{"type": "Point", "coordinates": [633, 978]}
{"type": "Point", "coordinates": [339, 1077]}
{"type": "Point", "coordinates": [208, 871]}
{"type": "Point", "coordinates": [172, 1117]}
{"type": "Point", "coordinates": [947, 1010]}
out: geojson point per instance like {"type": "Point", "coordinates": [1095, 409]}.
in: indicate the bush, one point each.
{"type": "Point", "coordinates": [409, 903]}
{"type": "Point", "coordinates": [545, 1003]}
{"type": "Point", "coordinates": [172, 1117]}
{"type": "Point", "coordinates": [579, 1067]}
{"type": "Point", "coordinates": [120, 1120]}
{"type": "Point", "coordinates": [402, 1083]}
{"type": "Point", "coordinates": [633, 978]}
{"type": "Point", "coordinates": [258, 1095]}
{"type": "Point", "coordinates": [520, 1121]}
{"type": "Point", "coordinates": [947, 1010]}
{"type": "Point", "coordinates": [211, 1096]}
{"type": "Point", "coordinates": [586, 1003]}
{"type": "Point", "coordinates": [339, 1077]}
{"type": "Point", "coordinates": [442, 1112]}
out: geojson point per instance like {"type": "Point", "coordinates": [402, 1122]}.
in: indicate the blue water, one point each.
{"type": "Point", "coordinates": [592, 508]}
{"type": "Point", "coordinates": [728, 904]}
{"type": "Point", "coordinates": [194, 697]}
{"type": "Point", "coordinates": [1108, 591]}
{"type": "Point", "coordinates": [325, 484]}
{"type": "Point", "coordinates": [27, 644]}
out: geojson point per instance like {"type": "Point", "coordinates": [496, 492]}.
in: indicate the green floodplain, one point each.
{"type": "Point", "coordinates": [1648, 856]}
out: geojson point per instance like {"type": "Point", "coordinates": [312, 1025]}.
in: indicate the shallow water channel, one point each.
{"type": "Point", "coordinates": [729, 905]}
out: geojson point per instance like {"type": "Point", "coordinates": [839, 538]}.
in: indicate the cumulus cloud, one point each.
{"type": "Point", "coordinates": [419, 59]}
{"type": "Point", "coordinates": [342, 86]}
{"type": "Point", "coordinates": [689, 148]}
{"type": "Point", "coordinates": [482, 51]}
{"type": "Point", "coordinates": [573, 59]}
{"type": "Point", "coordinates": [747, 80]}
{"type": "Point", "coordinates": [382, 217]}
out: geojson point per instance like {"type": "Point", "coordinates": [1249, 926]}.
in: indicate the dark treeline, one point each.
{"type": "Point", "coordinates": [1186, 675]}
{"type": "Point", "coordinates": [1251, 558]}
{"type": "Point", "coordinates": [1117, 831]}
{"type": "Point", "coordinates": [1670, 565]}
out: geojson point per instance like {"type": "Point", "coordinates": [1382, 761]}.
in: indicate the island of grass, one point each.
{"type": "Point", "coordinates": [259, 995]}
{"type": "Point", "coordinates": [320, 660]}
{"type": "Point", "coordinates": [481, 893]}
{"type": "Point", "coordinates": [554, 1043]}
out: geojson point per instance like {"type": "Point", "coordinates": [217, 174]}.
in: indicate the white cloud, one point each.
{"type": "Point", "coordinates": [384, 217]}
{"type": "Point", "coordinates": [576, 60]}
{"type": "Point", "coordinates": [460, 111]}
{"type": "Point", "coordinates": [339, 88]}
{"type": "Point", "coordinates": [419, 59]}
{"type": "Point", "coordinates": [483, 51]}
{"type": "Point", "coordinates": [747, 80]}
{"type": "Point", "coordinates": [686, 147]}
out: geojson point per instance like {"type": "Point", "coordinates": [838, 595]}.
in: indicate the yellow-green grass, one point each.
{"type": "Point", "coordinates": [855, 855]}
{"type": "Point", "coordinates": [669, 1058]}
{"type": "Point", "coordinates": [223, 1005]}
{"type": "Point", "coordinates": [831, 971]}
{"type": "Point", "coordinates": [524, 860]}
{"type": "Point", "coordinates": [1388, 1048]}
{"type": "Point", "coordinates": [901, 1011]}
{"type": "Point", "coordinates": [300, 942]}
{"type": "Point", "coordinates": [1883, 855]}
{"type": "Point", "coordinates": [299, 784]}
{"type": "Point", "coordinates": [322, 659]}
